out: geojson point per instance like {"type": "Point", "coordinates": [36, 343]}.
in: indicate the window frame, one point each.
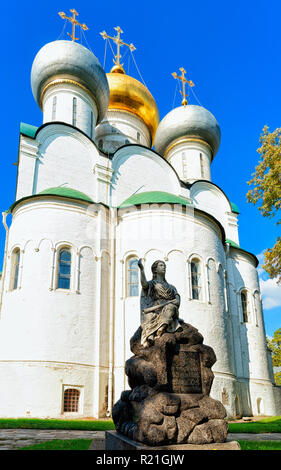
{"type": "Point", "coordinates": [200, 281]}
{"type": "Point", "coordinates": [80, 390]}
{"type": "Point", "coordinates": [128, 272]}
{"type": "Point", "coordinates": [60, 250]}
{"type": "Point", "coordinates": [245, 303]}
{"type": "Point", "coordinates": [54, 108]}
{"type": "Point", "coordinates": [74, 111]}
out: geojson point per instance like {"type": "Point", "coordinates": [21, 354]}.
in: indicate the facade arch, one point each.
{"type": "Point", "coordinates": [15, 245]}
{"type": "Point", "coordinates": [166, 258]}
{"type": "Point", "coordinates": [156, 250]}
{"type": "Point", "coordinates": [127, 254]}
{"type": "Point", "coordinates": [87, 246]}
{"type": "Point", "coordinates": [45, 239]}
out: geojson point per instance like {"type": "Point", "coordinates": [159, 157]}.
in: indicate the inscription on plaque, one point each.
{"type": "Point", "coordinates": [186, 372]}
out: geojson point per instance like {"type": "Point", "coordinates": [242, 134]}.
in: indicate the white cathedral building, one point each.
{"type": "Point", "coordinates": [100, 184]}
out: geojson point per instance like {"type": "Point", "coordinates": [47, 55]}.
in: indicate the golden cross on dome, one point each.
{"type": "Point", "coordinates": [74, 23]}
{"type": "Point", "coordinates": [184, 81]}
{"type": "Point", "coordinates": [119, 43]}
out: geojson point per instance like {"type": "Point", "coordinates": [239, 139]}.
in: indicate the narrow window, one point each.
{"type": "Point", "coordinates": [64, 269]}
{"type": "Point", "coordinates": [71, 400]}
{"type": "Point", "coordinates": [244, 301]}
{"type": "Point", "coordinates": [91, 124]}
{"type": "Point", "coordinates": [74, 111]}
{"type": "Point", "coordinates": [196, 280]}
{"type": "Point", "coordinates": [54, 108]}
{"type": "Point", "coordinates": [132, 277]}
{"type": "Point", "coordinates": [100, 144]}
{"type": "Point", "coordinates": [202, 166]}
{"type": "Point", "coordinates": [138, 136]}
{"type": "Point", "coordinates": [15, 269]}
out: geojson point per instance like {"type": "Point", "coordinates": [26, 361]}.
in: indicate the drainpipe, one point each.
{"type": "Point", "coordinates": [4, 217]}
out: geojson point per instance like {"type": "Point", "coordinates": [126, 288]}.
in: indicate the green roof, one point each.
{"type": "Point", "coordinates": [66, 192]}
{"type": "Point", "coordinates": [234, 208]}
{"type": "Point", "coordinates": [231, 243]}
{"type": "Point", "coordinates": [151, 197]}
{"type": "Point", "coordinates": [28, 129]}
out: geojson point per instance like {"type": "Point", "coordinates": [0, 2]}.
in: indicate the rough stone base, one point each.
{"type": "Point", "coordinates": [116, 441]}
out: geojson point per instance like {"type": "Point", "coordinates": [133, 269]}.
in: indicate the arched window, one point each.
{"type": "Point", "coordinates": [91, 124]}
{"type": "Point", "coordinates": [196, 279]}
{"type": "Point", "coordinates": [64, 269]}
{"type": "Point", "coordinates": [74, 111]}
{"type": "Point", "coordinates": [15, 269]}
{"type": "Point", "coordinates": [100, 144]}
{"type": "Point", "coordinates": [202, 166]}
{"type": "Point", "coordinates": [260, 406]}
{"type": "Point", "coordinates": [71, 400]}
{"type": "Point", "coordinates": [132, 277]}
{"type": "Point", "coordinates": [245, 309]}
{"type": "Point", "coordinates": [54, 108]}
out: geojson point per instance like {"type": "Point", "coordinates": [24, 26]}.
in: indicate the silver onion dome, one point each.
{"type": "Point", "coordinates": [187, 121]}
{"type": "Point", "coordinates": [70, 60]}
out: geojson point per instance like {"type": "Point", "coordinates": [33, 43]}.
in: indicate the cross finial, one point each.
{"type": "Point", "coordinates": [184, 81]}
{"type": "Point", "coordinates": [119, 42]}
{"type": "Point", "coordinates": [74, 23]}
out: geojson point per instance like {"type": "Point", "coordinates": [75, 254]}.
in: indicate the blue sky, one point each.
{"type": "Point", "coordinates": [231, 51]}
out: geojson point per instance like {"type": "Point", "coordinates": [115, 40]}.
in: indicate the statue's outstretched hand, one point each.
{"type": "Point", "coordinates": [140, 265]}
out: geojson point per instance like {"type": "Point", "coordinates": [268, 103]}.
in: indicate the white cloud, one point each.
{"type": "Point", "coordinates": [271, 291]}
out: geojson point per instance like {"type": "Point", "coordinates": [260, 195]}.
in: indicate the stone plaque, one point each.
{"type": "Point", "coordinates": [186, 372]}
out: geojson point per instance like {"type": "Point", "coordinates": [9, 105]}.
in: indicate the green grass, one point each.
{"type": "Point", "coordinates": [260, 445]}
{"type": "Point", "coordinates": [32, 423]}
{"type": "Point", "coordinates": [57, 444]}
{"type": "Point", "coordinates": [272, 424]}
{"type": "Point", "coordinates": [84, 444]}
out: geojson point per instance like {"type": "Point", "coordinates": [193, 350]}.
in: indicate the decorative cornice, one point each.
{"type": "Point", "coordinates": [61, 81]}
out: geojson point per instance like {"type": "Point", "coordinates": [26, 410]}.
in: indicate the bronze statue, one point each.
{"type": "Point", "coordinates": [169, 375]}
{"type": "Point", "coordinates": [160, 303]}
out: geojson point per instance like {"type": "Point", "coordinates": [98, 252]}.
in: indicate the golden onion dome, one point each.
{"type": "Point", "coordinates": [128, 94]}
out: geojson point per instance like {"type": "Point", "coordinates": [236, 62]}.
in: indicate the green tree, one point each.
{"type": "Point", "coordinates": [274, 345]}
{"type": "Point", "coordinates": [277, 378]}
{"type": "Point", "coordinates": [266, 191]}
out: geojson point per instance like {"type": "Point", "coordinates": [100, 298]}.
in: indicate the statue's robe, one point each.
{"type": "Point", "coordinates": [158, 293]}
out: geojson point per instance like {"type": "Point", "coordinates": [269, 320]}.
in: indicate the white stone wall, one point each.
{"type": "Point", "coordinates": [137, 170]}
{"type": "Point", "coordinates": [59, 337]}
{"type": "Point", "coordinates": [177, 236]}
{"type": "Point", "coordinates": [62, 156]}
{"type": "Point", "coordinates": [62, 108]}
{"type": "Point", "coordinates": [28, 153]}
{"type": "Point", "coordinates": [209, 198]}
{"type": "Point", "coordinates": [252, 367]}
{"type": "Point", "coordinates": [51, 339]}
{"type": "Point", "coordinates": [191, 160]}
{"type": "Point", "coordinates": [119, 128]}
